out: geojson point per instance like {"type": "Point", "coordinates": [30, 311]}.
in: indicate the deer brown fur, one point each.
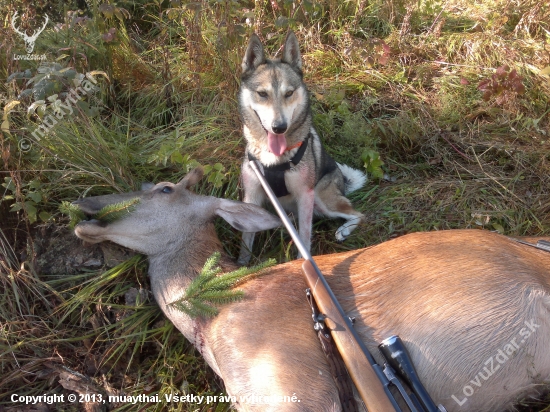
{"type": "Point", "coordinates": [457, 299]}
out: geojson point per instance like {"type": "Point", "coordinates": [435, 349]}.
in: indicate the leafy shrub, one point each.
{"type": "Point", "coordinates": [502, 84]}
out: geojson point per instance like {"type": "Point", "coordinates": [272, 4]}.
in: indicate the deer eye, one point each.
{"type": "Point", "coordinates": [289, 93]}
{"type": "Point", "coordinates": [262, 94]}
{"type": "Point", "coordinates": [167, 189]}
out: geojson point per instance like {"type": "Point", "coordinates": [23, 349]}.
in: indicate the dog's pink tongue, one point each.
{"type": "Point", "coordinates": [276, 143]}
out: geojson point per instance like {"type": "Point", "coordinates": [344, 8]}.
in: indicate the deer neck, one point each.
{"type": "Point", "coordinates": [172, 271]}
{"type": "Point", "coordinates": [174, 268]}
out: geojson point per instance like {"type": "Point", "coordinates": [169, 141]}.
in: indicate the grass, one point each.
{"type": "Point", "coordinates": [399, 78]}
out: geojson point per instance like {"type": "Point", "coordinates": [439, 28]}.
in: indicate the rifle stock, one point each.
{"type": "Point", "coordinates": [364, 371]}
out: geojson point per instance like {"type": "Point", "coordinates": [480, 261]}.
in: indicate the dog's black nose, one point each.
{"type": "Point", "coordinates": [279, 128]}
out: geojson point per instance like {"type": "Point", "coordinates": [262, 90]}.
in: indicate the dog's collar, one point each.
{"type": "Point", "coordinates": [275, 175]}
{"type": "Point", "coordinates": [299, 144]}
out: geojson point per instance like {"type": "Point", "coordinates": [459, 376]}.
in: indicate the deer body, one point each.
{"type": "Point", "coordinates": [472, 306]}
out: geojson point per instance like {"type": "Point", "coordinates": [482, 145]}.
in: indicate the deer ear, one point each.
{"type": "Point", "coordinates": [192, 178]}
{"type": "Point", "coordinates": [254, 55]}
{"type": "Point", "coordinates": [246, 217]}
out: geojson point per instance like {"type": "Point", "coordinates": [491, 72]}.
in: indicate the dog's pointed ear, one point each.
{"type": "Point", "coordinates": [254, 55]}
{"type": "Point", "coordinates": [192, 178]}
{"type": "Point", "coordinates": [291, 51]}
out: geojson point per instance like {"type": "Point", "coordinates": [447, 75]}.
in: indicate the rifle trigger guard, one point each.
{"type": "Point", "coordinates": [318, 318]}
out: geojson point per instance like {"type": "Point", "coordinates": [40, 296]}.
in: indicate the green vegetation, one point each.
{"type": "Point", "coordinates": [444, 103]}
{"type": "Point", "coordinates": [108, 214]}
{"type": "Point", "coordinates": [211, 289]}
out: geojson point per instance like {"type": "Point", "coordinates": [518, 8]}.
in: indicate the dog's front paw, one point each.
{"type": "Point", "coordinates": [342, 233]}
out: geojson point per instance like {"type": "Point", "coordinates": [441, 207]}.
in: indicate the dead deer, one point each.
{"type": "Point", "coordinates": [472, 306]}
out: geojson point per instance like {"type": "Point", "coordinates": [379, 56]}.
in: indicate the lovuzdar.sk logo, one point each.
{"type": "Point", "coordinates": [29, 40]}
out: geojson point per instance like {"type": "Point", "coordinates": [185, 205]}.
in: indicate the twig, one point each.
{"type": "Point", "coordinates": [456, 149]}
{"type": "Point", "coordinates": [437, 19]}
{"type": "Point", "coordinates": [461, 65]}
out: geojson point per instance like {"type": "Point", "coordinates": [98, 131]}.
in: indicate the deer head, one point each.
{"type": "Point", "coordinates": [29, 40]}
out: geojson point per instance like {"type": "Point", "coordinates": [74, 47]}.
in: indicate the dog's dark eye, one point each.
{"type": "Point", "coordinates": [289, 93]}
{"type": "Point", "coordinates": [262, 94]}
{"type": "Point", "coordinates": [167, 189]}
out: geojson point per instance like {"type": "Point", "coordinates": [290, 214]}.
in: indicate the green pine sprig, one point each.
{"type": "Point", "coordinates": [108, 214]}
{"type": "Point", "coordinates": [209, 289]}
{"type": "Point", "coordinates": [116, 211]}
{"type": "Point", "coordinates": [73, 211]}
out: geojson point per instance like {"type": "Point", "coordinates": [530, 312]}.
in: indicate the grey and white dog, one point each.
{"type": "Point", "coordinates": [275, 110]}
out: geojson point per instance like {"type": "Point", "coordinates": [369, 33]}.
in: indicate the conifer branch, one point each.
{"type": "Point", "coordinates": [108, 214]}
{"type": "Point", "coordinates": [73, 211]}
{"type": "Point", "coordinates": [116, 211]}
{"type": "Point", "coordinates": [209, 289]}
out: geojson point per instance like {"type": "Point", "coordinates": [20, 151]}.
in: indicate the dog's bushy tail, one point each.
{"type": "Point", "coordinates": [353, 179]}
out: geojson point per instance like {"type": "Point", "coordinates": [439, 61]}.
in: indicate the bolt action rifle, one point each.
{"type": "Point", "coordinates": [371, 380]}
